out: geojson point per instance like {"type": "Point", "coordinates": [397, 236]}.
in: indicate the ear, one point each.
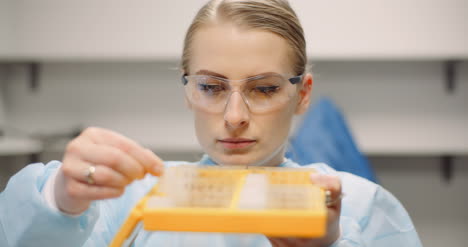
{"type": "Point", "coordinates": [304, 94]}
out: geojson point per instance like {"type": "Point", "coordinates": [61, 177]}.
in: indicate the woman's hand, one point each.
{"type": "Point", "coordinates": [333, 184]}
{"type": "Point", "coordinates": [117, 161]}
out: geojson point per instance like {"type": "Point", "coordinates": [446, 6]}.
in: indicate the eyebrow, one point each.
{"type": "Point", "coordinates": [208, 72]}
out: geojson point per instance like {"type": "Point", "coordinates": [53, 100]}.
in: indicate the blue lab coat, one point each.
{"type": "Point", "coordinates": [370, 216]}
{"type": "Point", "coordinates": [324, 136]}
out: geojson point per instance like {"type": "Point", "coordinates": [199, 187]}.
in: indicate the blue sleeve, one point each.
{"type": "Point", "coordinates": [114, 212]}
{"type": "Point", "coordinates": [372, 216]}
{"type": "Point", "coordinates": [26, 220]}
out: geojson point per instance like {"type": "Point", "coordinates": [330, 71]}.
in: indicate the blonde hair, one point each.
{"type": "Point", "coordinates": [274, 16]}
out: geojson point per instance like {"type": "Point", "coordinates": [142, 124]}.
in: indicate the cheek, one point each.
{"type": "Point", "coordinates": [205, 126]}
{"type": "Point", "coordinates": [276, 125]}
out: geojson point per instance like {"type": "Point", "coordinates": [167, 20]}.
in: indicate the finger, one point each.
{"type": "Point", "coordinates": [159, 168]}
{"type": "Point", "coordinates": [108, 177]}
{"type": "Point", "coordinates": [83, 150]}
{"type": "Point", "coordinates": [115, 159]}
{"type": "Point", "coordinates": [329, 183]}
{"type": "Point", "coordinates": [150, 162]}
{"type": "Point", "coordinates": [84, 191]}
{"type": "Point", "coordinates": [102, 176]}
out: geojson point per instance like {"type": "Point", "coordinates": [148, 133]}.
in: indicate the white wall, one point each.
{"type": "Point", "coordinates": [141, 100]}
{"type": "Point", "coordinates": [399, 107]}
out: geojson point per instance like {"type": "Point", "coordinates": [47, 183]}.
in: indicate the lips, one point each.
{"type": "Point", "coordinates": [237, 143]}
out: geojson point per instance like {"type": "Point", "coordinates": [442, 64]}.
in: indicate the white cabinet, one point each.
{"type": "Point", "coordinates": [154, 30]}
{"type": "Point", "coordinates": [388, 29]}
{"type": "Point", "coordinates": [99, 30]}
{"type": "Point", "coordinates": [5, 27]}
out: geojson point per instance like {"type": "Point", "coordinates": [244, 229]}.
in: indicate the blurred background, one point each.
{"type": "Point", "coordinates": [397, 69]}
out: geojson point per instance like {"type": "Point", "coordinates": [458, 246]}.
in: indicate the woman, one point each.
{"type": "Point", "coordinates": [245, 77]}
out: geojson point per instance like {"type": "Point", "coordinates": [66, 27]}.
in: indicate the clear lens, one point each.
{"type": "Point", "coordinates": [261, 94]}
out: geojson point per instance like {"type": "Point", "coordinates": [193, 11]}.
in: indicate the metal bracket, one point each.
{"type": "Point", "coordinates": [34, 71]}
{"type": "Point", "coordinates": [446, 167]}
{"type": "Point", "coordinates": [34, 158]}
{"type": "Point", "coordinates": [450, 70]}
{"type": "Point", "coordinates": [34, 75]}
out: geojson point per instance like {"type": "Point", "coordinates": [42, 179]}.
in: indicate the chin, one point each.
{"type": "Point", "coordinates": [272, 158]}
{"type": "Point", "coordinates": [234, 159]}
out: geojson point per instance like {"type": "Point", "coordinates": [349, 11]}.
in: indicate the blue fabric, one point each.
{"type": "Point", "coordinates": [323, 136]}
{"type": "Point", "coordinates": [370, 216]}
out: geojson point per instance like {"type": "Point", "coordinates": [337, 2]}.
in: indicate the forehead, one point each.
{"type": "Point", "coordinates": [238, 52]}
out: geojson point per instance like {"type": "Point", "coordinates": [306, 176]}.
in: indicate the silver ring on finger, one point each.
{"type": "Point", "coordinates": [329, 201]}
{"type": "Point", "coordinates": [90, 175]}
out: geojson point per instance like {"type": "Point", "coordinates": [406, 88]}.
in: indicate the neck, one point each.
{"type": "Point", "coordinates": [276, 158]}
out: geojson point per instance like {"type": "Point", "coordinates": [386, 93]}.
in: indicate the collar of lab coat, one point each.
{"type": "Point", "coordinates": [206, 160]}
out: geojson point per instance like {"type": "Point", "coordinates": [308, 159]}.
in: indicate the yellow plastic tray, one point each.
{"type": "Point", "coordinates": [215, 199]}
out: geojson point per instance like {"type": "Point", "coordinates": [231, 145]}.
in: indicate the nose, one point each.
{"type": "Point", "coordinates": [236, 114]}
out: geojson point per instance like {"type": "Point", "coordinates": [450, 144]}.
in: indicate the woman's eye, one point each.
{"type": "Point", "coordinates": [268, 90]}
{"type": "Point", "coordinates": [211, 88]}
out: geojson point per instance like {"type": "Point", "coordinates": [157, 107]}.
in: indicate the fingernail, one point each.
{"type": "Point", "coordinates": [157, 167]}
{"type": "Point", "coordinates": [158, 170]}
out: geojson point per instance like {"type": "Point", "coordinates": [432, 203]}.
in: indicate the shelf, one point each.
{"type": "Point", "coordinates": [416, 137]}
{"type": "Point", "coordinates": [116, 57]}
{"type": "Point", "coordinates": [416, 144]}
{"type": "Point", "coordinates": [396, 109]}
{"type": "Point", "coordinates": [375, 137]}
{"type": "Point", "coordinates": [19, 146]}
